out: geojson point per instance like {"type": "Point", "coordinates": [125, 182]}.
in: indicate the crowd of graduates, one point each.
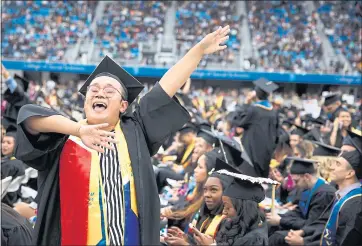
{"type": "Point", "coordinates": [261, 174]}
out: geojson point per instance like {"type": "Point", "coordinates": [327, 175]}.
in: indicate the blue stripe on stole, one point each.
{"type": "Point", "coordinates": [131, 230]}
{"type": "Point", "coordinates": [103, 240]}
{"type": "Point", "coordinates": [307, 195]}
{"type": "Point", "coordinates": [330, 230]}
{"type": "Point", "coordinates": [264, 103]}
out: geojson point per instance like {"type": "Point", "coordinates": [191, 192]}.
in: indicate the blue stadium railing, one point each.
{"type": "Point", "coordinates": [143, 71]}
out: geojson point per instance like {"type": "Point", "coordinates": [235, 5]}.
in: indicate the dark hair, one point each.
{"type": "Point", "coordinates": [302, 151]}
{"type": "Point", "coordinates": [248, 217]}
{"type": "Point", "coordinates": [260, 94]}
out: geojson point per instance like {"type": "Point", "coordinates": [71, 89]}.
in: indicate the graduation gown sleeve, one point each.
{"type": "Point", "coordinates": [159, 116]}
{"type": "Point", "coordinates": [244, 116]}
{"type": "Point", "coordinates": [36, 150]}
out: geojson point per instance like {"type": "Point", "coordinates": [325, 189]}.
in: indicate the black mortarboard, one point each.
{"type": "Point", "coordinates": [300, 131]}
{"type": "Point", "coordinates": [234, 154]}
{"type": "Point", "coordinates": [354, 140]}
{"type": "Point", "coordinates": [110, 68]}
{"type": "Point", "coordinates": [288, 123]}
{"type": "Point", "coordinates": [331, 98]}
{"type": "Point", "coordinates": [11, 131]}
{"type": "Point", "coordinates": [188, 127]}
{"type": "Point", "coordinates": [265, 85]}
{"type": "Point", "coordinates": [302, 166]}
{"type": "Point", "coordinates": [22, 81]}
{"type": "Point", "coordinates": [313, 135]}
{"type": "Point", "coordinates": [8, 122]}
{"type": "Point", "coordinates": [240, 185]}
{"type": "Point", "coordinates": [325, 149]}
{"type": "Point", "coordinates": [317, 121]}
{"type": "Point", "coordinates": [208, 136]}
{"type": "Point", "coordinates": [354, 158]}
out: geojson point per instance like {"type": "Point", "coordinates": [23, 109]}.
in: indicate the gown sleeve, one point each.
{"type": "Point", "coordinates": [35, 149]}
{"type": "Point", "coordinates": [159, 116]}
{"type": "Point", "coordinates": [243, 117]}
{"type": "Point", "coordinates": [252, 239]}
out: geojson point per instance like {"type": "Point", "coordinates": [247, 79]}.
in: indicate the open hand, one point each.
{"type": "Point", "coordinates": [176, 232]}
{"type": "Point", "coordinates": [93, 137]}
{"type": "Point", "coordinates": [176, 241]}
{"type": "Point", "coordinates": [211, 42]}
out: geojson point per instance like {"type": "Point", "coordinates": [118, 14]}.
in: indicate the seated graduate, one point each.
{"type": "Point", "coordinates": [244, 223]}
{"type": "Point", "coordinates": [352, 142]}
{"type": "Point", "coordinates": [182, 213]}
{"type": "Point", "coordinates": [15, 229]}
{"type": "Point", "coordinates": [339, 217]}
{"type": "Point", "coordinates": [65, 151]}
{"type": "Point", "coordinates": [316, 196]}
{"type": "Point", "coordinates": [10, 166]}
{"type": "Point", "coordinates": [208, 218]}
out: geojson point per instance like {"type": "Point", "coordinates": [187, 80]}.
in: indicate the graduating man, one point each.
{"type": "Point", "coordinates": [96, 180]}
{"type": "Point", "coordinates": [332, 106]}
{"type": "Point", "coordinates": [316, 196]}
{"type": "Point", "coordinates": [260, 123]}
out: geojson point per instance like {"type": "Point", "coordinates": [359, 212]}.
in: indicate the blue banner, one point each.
{"type": "Point", "coordinates": [141, 71]}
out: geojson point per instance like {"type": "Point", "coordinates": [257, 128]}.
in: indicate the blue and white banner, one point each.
{"type": "Point", "coordinates": [144, 71]}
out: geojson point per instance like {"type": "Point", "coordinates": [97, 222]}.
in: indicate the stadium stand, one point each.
{"type": "Point", "coordinates": [43, 30]}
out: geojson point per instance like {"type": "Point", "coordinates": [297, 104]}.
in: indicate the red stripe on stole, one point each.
{"type": "Point", "coordinates": [74, 171]}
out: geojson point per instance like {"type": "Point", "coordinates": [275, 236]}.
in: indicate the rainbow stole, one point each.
{"type": "Point", "coordinates": [330, 230]}
{"type": "Point", "coordinates": [82, 199]}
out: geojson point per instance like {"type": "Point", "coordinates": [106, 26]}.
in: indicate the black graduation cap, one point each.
{"type": "Point", "coordinates": [288, 123]}
{"type": "Point", "coordinates": [188, 127]}
{"type": "Point", "coordinates": [300, 131]}
{"type": "Point", "coordinates": [354, 140]}
{"type": "Point", "coordinates": [110, 68]}
{"type": "Point", "coordinates": [234, 155]}
{"type": "Point", "coordinates": [265, 85]}
{"type": "Point", "coordinates": [208, 136]}
{"type": "Point", "coordinates": [22, 81]}
{"type": "Point", "coordinates": [11, 131]}
{"type": "Point", "coordinates": [354, 158]}
{"type": "Point", "coordinates": [317, 121]}
{"type": "Point", "coordinates": [8, 122]}
{"type": "Point", "coordinates": [241, 186]}
{"type": "Point", "coordinates": [302, 166]}
{"type": "Point", "coordinates": [325, 149]}
{"type": "Point", "coordinates": [331, 98]}
{"type": "Point", "coordinates": [313, 135]}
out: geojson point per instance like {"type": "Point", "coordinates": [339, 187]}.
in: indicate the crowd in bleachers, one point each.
{"type": "Point", "coordinates": [194, 20]}
{"type": "Point", "coordinates": [285, 36]}
{"type": "Point", "coordinates": [343, 26]}
{"type": "Point", "coordinates": [43, 30]}
{"type": "Point", "coordinates": [125, 24]}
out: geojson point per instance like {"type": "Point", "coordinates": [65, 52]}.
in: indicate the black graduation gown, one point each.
{"type": "Point", "coordinates": [13, 168]}
{"type": "Point", "coordinates": [15, 101]}
{"type": "Point", "coordinates": [154, 119]}
{"type": "Point", "coordinates": [320, 199]}
{"type": "Point", "coordinates": [354, 237]}
{"type": "Point", "coordinates": [15, 229]}
{"type": "Point", "coordinates": [260, 135]}
{"type": "Point", "coordinates": [346, 223]}
{"type": "Point", "coordinates": [258, 236]}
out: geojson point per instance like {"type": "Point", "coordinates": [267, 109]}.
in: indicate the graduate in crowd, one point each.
{"type": "Point", "coordinates": [260, 124]}
{"type": "Point", "coordinates": [208, 219]}
{"type": "Point", "coordinates": [332, 105]}
{"type": "Point", "coordinates": [65, 151]}
{"type": "Point", "coordinates": [10, 166]}
{"type": "Point", "coordinates": [296, 135]}
{"type": "Point", "coordinates": [15, 96]}
{"type": "Point", "coordinates": [339, 217]}
{"type": "Point", "coordinates": [182, 213]}
{"type": "Point", "coordinates": [316, 196]}
{"type": "Point", "coordinates": [341, 124]}
{"type": "Point", "coordinates": [244, 223]}
{"type": "Point", "coordinates": [15, 229]}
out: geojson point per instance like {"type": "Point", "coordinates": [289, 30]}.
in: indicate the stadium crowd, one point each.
{"type": "Point", "coordinates": [283, 33]}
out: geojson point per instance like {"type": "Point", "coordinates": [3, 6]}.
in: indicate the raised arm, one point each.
{"type": "Point", "coordinates": [177, 75]}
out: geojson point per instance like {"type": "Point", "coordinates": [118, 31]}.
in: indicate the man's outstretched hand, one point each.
{"type": "Point", "coordinates": [95, 138]}
{"type": "Point", "coordinates": [211, 43]}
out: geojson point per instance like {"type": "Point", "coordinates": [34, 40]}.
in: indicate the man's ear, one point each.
{"type": "Point", "coordinates": [123, 107]}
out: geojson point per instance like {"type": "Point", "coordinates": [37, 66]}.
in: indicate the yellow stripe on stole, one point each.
{"type": "Point", "coordinates": [95, 229]}
{"type": "Point", "coordinates": [211, 229]}
{"type": "Point", "coordinates": [187, 153]}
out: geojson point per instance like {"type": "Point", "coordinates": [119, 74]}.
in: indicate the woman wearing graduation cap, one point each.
{"type": "Point", "coordinates": [244, 223]}
{"type": "Point", "coordinates": [107, 155]}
